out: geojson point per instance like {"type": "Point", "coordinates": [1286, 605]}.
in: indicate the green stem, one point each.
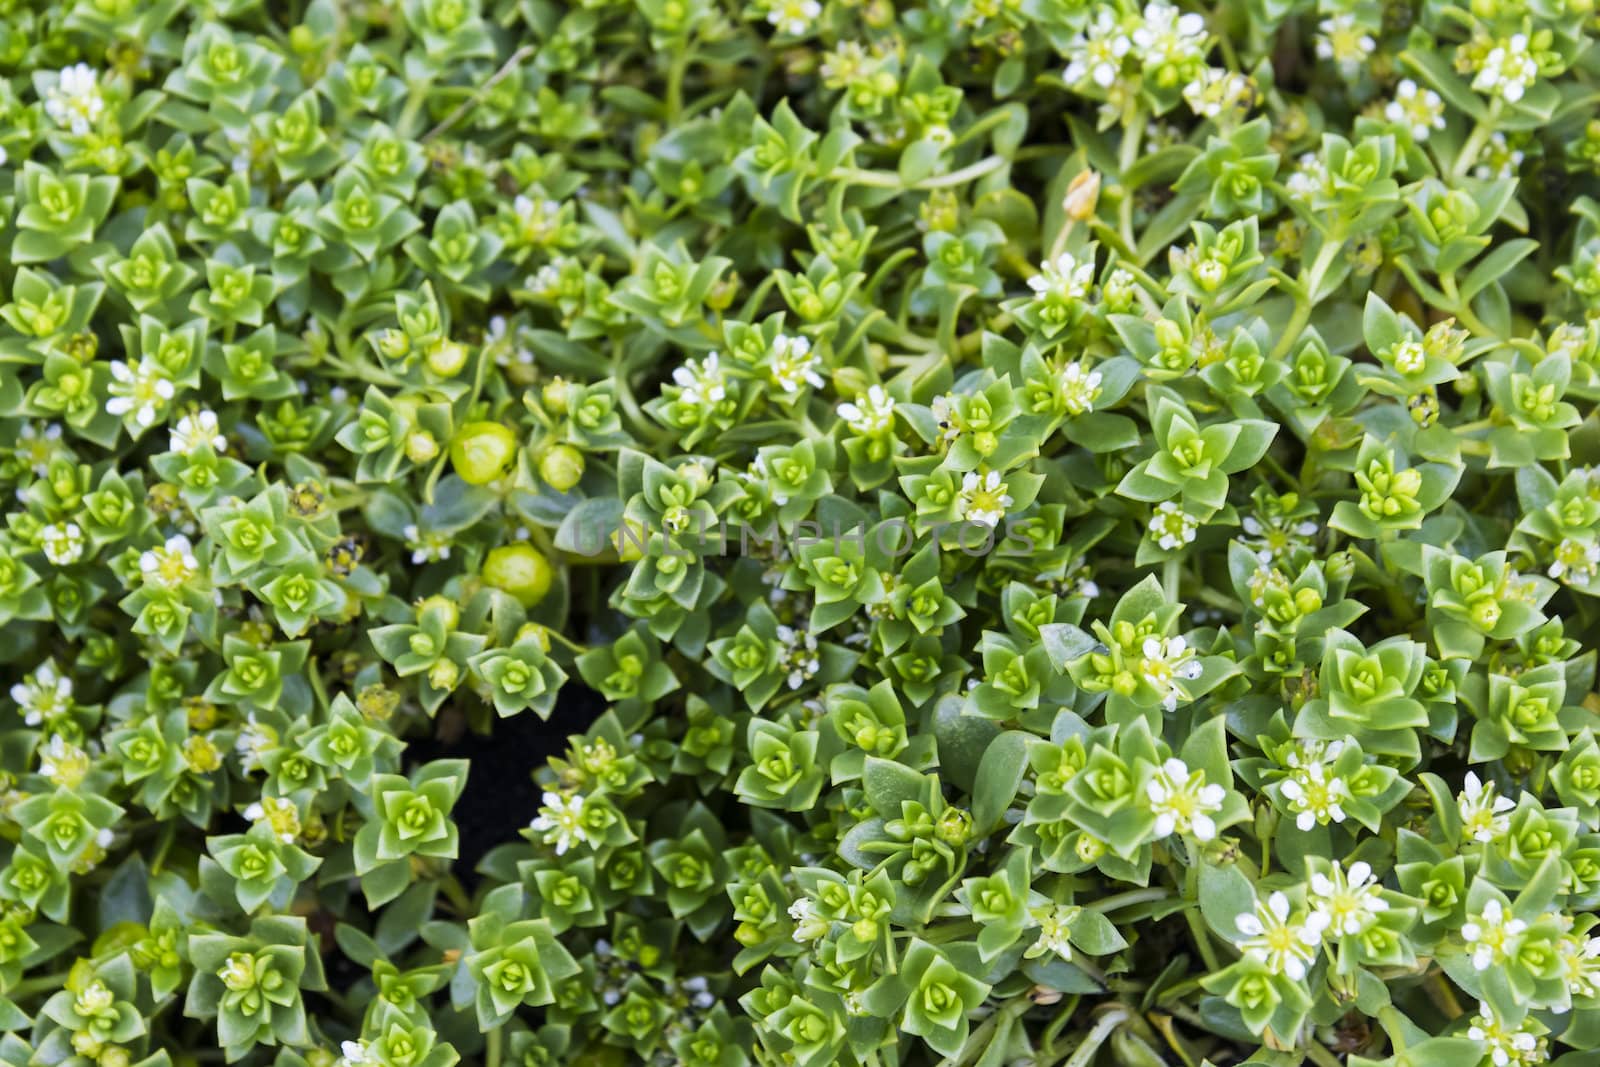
{"type": "Point", "coordinates": [1170, 575]}
{"type": "Point", "coordinates": [1463, 308]}
{"type": "Point", "coordinates": [884, 179]}
{"type": "Point", "coordinates": [1320, 1054]}
{"type": "Point", "coordinates": [675, 75]}
{"type": "Point", "coordinates": [492, 1054]}
{"type": "Point", "coordinates": [471, 102]}
{"type": "Point", "coordinates": [1103, 1028]}
{"type": "Point", "coordinates": [1481, 132]}
{"type": "Point", "coordinates": [1311, 282]}
{"type": "Point", "coordinates": [1129, 898]}
{"type": "Point", "coordinates": [29, 986]}
{"type": "Point", "coordinates": [1191, 914]}
{"type": "Point", "coordinates": [1127, 156]}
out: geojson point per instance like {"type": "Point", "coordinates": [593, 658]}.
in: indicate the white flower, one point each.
{"type": "Point", "coordinates": [426, 547]}
{"type": "Point", "coordinates": [1171, 527]}
{"type": "Point", "coordinates": [1055, 930]}
{"type": "Point", "coordinates": [871, 414]}
{"type": "Point", "coordinates": [1315, 796]}
{"type": "Point", "coordinates": [1309, 178]}
{"type": "Point", "coordinates": [42, 694]}
{"type": "Point", "coordinates": [792, 365]}
{"type": "Point", "coordinates": [800, 657]}
{"type": "Point", "coordinates": [1064, 278]}
{"type": "Point", "coordinates": [1080, 388]}
{"type": "Point", "coordinates": [701, 382]}
{"type": "Point", "coordinates": [94, 999]}
{"type": "Point", "coordinates": [1166, 663]}
{"type": "Point", "coordinates": [1508, 69]}
{"type": "Point", "coordinates": [142, 391]}
{"type": "Point", "coordinates": [1492, 935]}
{"type": "Point", "coordinates": [1169, 38]}
{"type": "Point", "coordinates": [1272, 938]}
{"type": "Point", "coordinates": [255, 740]}
{"type": "Point", "coordinates": [1420, 111]}
{"type": "Point", "coordinates": [74, 102]}
{"type": "Point", "coordinates": [1409, 357]}
{"type": "Point", "coordinates": [171, 566]}
{"type": "Point", "coordinates": [62, 543]}
{"type": "Point", "coordinates": [1483, 811]}
{"type": "Point", "coordinates": [795, 18]}
{"type": "Point", "coordinates": [537, 220]}
{"type": "Point", "coordinates": [984, 498]}
{"type": "Point", "coordinates": [808, 926]}
{"type": "Point", "coordinates": [63, 762]}
{"type": "Point", "coordinates": [195, 432]}
{"type": "Point", "coordinates": [1347, 901]}
{"type": "Point", "coordinates": [560, 821]}
{"type": "Point", "coordinates": [1498, 159]}
{"type": "Point", "coordinates": [354, 1054]}
{"type": "Point", "coordinates": [1345, 41]}
{"type": "Point", "coordinates": [1215, 91]}
{"type": "Point", "coordinates": [1580, 958]}
{"type": "Point", "coordinates": [1509, 1046]}
{"type": "Point", "coordinates": [1182, 801]}
{"type": "Point", "coordinates": [1097, 55]}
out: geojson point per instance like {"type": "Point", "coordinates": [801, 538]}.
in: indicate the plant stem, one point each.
{"type": "Point", "coordinates": [1129, 898]}
{"type": "Point", "coordinates": [1169, 578]}
{"type": "Point", "coordinates": [1102, 1029]}
{"type": "Point", "coordinates": [492, 1053]}
{"type": "Point", "coordinates": [1127, 156]}
{"type": "Point", "coordinates": [483, 90]}
{"type": "Point", "coordinates": [1475, 141]}
{"type": "Point", "coordinates": [1331, 244]}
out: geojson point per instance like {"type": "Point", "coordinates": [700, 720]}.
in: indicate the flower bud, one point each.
{"type": "Point", "coordinates": [447, 358]}
{"type": "Point", "coordinates": [444, 674]}
{"type": "Point", "coordinates": [1083, 195]}
{"type": "Point", "coordinates": [519, 570]}
{"type": "Point", "coordinates": [554, 396]}
{"type": "Point", "coordinates": [421, 446]}
{"type": "Point", "coordinates": [443, 606]}
{"type": "Point", "coordinates": [561, 467]}
{"type": "Point", "coordinates": [483, 452]}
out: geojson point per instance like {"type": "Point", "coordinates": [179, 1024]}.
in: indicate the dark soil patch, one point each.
{"type": "Point", "coordinates": [501, 796]}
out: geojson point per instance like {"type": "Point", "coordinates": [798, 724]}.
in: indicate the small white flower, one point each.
{"type": "Point", "coordinates": [871, 414]}
{"type": "Point", "coordinates": [1347, 901]}
{"type": "Point", "coordinates": [1064, 278]}
{"type": "Point", "coordinates": [1216, 91]}
{"type": "Point", "coordinates": [1183, 802]}
{"type": "Point", "coordinates": [801, 660]}
{"type": "Point", "coordinates": [984, 498]}
{"type": "Point", "coordinates": [171, 566]}
{"type": "Point", "coordinates": [537, 220]}
{"type": "Point", "coordinates": [1509, 1046]}
{"type": "Point", "coordinates": [1055, 930]}
{"type": "Point", "coordinates": [1096, 56]}
{"type": "Point", "coordinates": [560, 821]}
{"type": "Point", "coordinates": [63, 762]}
{"type": "Point", "coordinates": [1166, 664]}
{"type": "Point", "coordinates": [1315, 796]}
{"type": "Point", "coordinates": [1498, 159]}
{"type": "Point", "coordinates": [427, 547]}
{"type": "Point", "coordinates": [808, 926]}
{"type": "Point", "coordinates": [1492, 936]}
{"type": "Point", "coordinates": [792, 365]}
{"type": "Point", "coordinates": [1409, 357]}
{"type": "Point", "coordinates": [1420, 111]}
{"type": "Point", "coordinates": [794, 18]}
{"type": "Point", "coordinates": [702, 382]}
{"type": "Point", "coordinates": [1272, 938]}
{"type": "Point", "coordinates": [142, 391]}
{"type": "Point", "coordinates": [1580, 958]}
{"type": "Point", "coordinates": [1080, 388]}
{"type": "Point", "coordinates": [1171, 527]}
{"type": "Point", "coordinates": [354, 1054]}
{"type": "Point", "coordinates": [195, 432]}
{"type": "Point", "coordinates": [1508, 69]}
{"type": "Point", "coordinates": [1169, 39]}
{"type": "Point", "coordinates": [62, 543]}
{"type": "Point", "coordinates": [1309, 178]}
{"type": "Point", "coordinates": [1483, 810]}
{"type": "Point", "coordinates": [1346, 42]}
{"type": "Point", "coordinates": [74, 102]}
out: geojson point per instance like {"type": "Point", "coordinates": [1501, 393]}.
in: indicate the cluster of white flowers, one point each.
{"type": "Point", "coordinates": [560, 821]}
{"type": "Point", "coordinates": [62, 543]}
{"type": "Point", "coordinates": [1492, 935]}
{"type": "Point", "coordinates": [1509, 1045]}
{"type": "Point", "coordinates": [63, 762]}
{"type": "Point", "coordinates": [1419, 111]}
{"type": "Point", "coordinates": [429, 547]}
{"type": "Point", "coordinates": [75, 102]}
{"type": "Point", "coordinates": [1348, 901]}
{"type": "Point", "coordinates": [1508, 69]}
{"type": "Point", "coordinates": [1166, 664]}
{"type": "Point", "coordinates": [800, 657]}
{"type": "Point", "coordinates": [1316, 796]}
{"type": "Point", "coordinates": [808, 925]}
{"type": "Point", "coordinates": [794, 18]}
{"type": "Point", "coordinates": [1498, 159]}
{"type": "Point", "coordinates": [1483, 811]}
{"type": "Point", "coordinates": [255, 740]}
{"type": "Point", "coordinates": [279, 814]}
{"type": "Point", "coordinates": [1309, 179]}
{"type": "Point", "coordinates": [1183, 802]}
{"type": "Point", "coordinates": [1277, 538]}
{"type": "Point", "coordinates": [792, 365]}
{"type": "Point", "coordinates": [1171, 527]}
{"type": "Point", "coordinates": [1345, 41]}
{"type": "Point", "coordinates": [171, 566]}
{"type": "Point", "coordinates": [1285, 943]}
{"type": "Point", "coordinates": [870, 414]}
{"type": "Point", "coordinates": [1080, 388]}
{"type": "Point", "coordinates": [354, 1054]}
{"type": "Point", "coordinates": [142, 391]}
{"type": "Point", "coordinates": [1161, 39]}
{"type": "Point", "coordinates": [197, 431]}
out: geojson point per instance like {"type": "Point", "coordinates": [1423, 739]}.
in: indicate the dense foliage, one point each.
{"type": "Point", "coordinates": [1079, 517]}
